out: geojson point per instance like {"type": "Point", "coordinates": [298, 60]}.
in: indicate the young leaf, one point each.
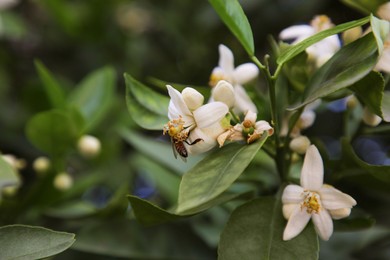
{"type": "Point", "coordinates": [146, 97]}
{"type": "Point", "coordinates": [28, 242]}
{"type": "Point", "coordinates": [215, 174]}
{"type": "Point", "coordinates": [8, 176]}
{"type": "Point", "coordinates": [386, 106]}
{"type": "Point", "coordinates": [231, 13]}
{"type": "Point", "coordinates": [144, 117]}
{"type": "Point", "coordinates": [294, 50]}
{"type": "Point", "coordinates": [53, 131]}
{"type": "Point", "coordinates": [53, 89]}
{"type": "Point", "coordinates": [94, 95]}
{"type": "Point", "coordinates": [365, 6]}
{"type": "Point", "coordinates": [255, 231]}
{"type": "Point", "coordinates": [342, 70]}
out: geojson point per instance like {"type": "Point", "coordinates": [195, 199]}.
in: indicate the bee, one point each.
{"type": "Point", "coordinates": [178, 147]}
{"type": "Point", "coordinates": [179, 135]}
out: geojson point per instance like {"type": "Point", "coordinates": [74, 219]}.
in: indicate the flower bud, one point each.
{"type": "Point", "coordinates": [370, 118]}
{"type": "Point", "coordinates": [63, 181]}
{"type": "Point", "coordinates": [192, 98]}
{"type": "Point", "coordinates": [41, 164]}
{"type": "Point", "coordinates": [16, 164]}
{"type": "Point", "coordinates": [384, 11]}
{"type": "Point", "coordinates": [224, 92]}
{"type": "Point", "coordinates": [89, 146]}
{"type": "Point", "coordinates": [352, 102]}
{"type": "Point", "coordinates": [300, 144]}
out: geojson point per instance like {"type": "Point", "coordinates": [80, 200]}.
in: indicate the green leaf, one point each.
{"type": "Point", "coordinates": [8, 176]}
{"type": "Point", "coordinates": [365, 6]}
{"type": "Point", "coordinates": [146, 97]}
{"type": "Point", "coordinates": [233, 16]}
{"type": "Point", "coordinates": [381, 172]}
{"type": "Point", "coordinates": [380, 29]}
{"type": "Point", "coordinates": [94, 95]}
{"type": "Point", "coordinates": [215, 174]}
{"type": "Point", "coordinates": [370, 90]}
{"type": "Point", "coordinates": [149, 214]}
{"type": "Point", "coordinates": [353, 224]}
{"type": "Point", "coordinates": [386, 106]}
{"type": "Point", "coordinates": [28, 242]}
{"type": "Point", "coordinates": [294, 50]}
{"type": "Point", "coordinates": [54, 131]}
{"type": "Point", "coordinates": [53, 89]}
{"type": "Point", "coordinates": [12, 25]}
{"type": "Point", "coordinates": [71, 210]}
{"type": "Point", "coordinates": [342, 70]}
{"type": "Point", "coordinates": [255, 231]}
{"type": "Point", "coordinates": [144, 117]}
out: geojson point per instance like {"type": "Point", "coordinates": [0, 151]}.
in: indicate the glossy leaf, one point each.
{"type": "Point", "coordinates": [28, 242]}
{"type": "Point", "coordinates": [255, 231]}
{"type": "Point", "coordinates": [53, 89]}
{"type": "Point", "coordinates": [342, 70]}
{"type": "Point", "coordinates": [94, 95]}
{"type": "Point", "coordinates": [370, 90]}
{"type": "Point", "coordinates": [365, 6]}
{"type": "Point", "coordinates": [381, 172]}
{"type": "Point", "coordinates": [149, 214]}
{"type": "Point", "coordinates": [53, 131]}
{"type": "Point", "coordinates": [144, 117]}
{"type": "Point", "coordinates": [231, 13]}
{"type": "Point", "coordinates": [354, 224]}
{"type": "Point", "coordinates": [8, 176]}
{"type": "Point", "coordinates": [294, 50]}
{"type": "Point", "coordinates": [386, 106]}
{"type": "Point", "coordinates": [215, 174]}
{"type": "Point", "coordinates": [146, 97]}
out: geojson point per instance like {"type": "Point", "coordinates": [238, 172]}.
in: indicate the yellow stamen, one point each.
{"type": "Point", "coordinates": [311, 203]}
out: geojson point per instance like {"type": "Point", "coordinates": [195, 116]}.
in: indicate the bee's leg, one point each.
{"type": "Point", "coordinates": [194, 142]}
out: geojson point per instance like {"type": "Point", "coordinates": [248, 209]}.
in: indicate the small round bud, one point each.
{"type": "Point", "coordinates": [300, 144]}
{"type": "Point", "coordinates": [370, 118]}
{"type": "Point", "coordinates": [352, 102]}
{"type": "Point", "coordinates": [10, 191]}
{"type": "Point", "coordinates": [41, 164]}
{"type": "Point", "coordinates": [63, 181]}
{"type": "Point", "coordinates": [89, 146]}
{"type": "Point", "coordinates": [192, 98]}
{"type": "Point", "coordinates": [224, 92]}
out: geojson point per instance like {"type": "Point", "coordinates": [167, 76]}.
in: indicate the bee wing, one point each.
{"type": "Point", "coordinates": [174, 148]}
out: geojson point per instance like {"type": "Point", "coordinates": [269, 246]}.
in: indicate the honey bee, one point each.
{"type": "Point", "coordinates": [178, 147]}
{"type": "Point", "coordinates": [179, 135]}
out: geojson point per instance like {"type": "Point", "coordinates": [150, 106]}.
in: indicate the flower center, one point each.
{"type": "Point", "coordinates": [175, 129]}
{"type": "Point", "coordinates": [311, 202]}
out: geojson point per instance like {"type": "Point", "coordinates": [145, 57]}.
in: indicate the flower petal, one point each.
{"type": "Point", "coordinates": [262, 126]}
{"type": "Point", "coordinates": [296, 31]}
{"type": "Point", "coordinates": [243, 101]}
{"type": "Point", "coordinates": [245, 73]}
{"type": "Point", "coordinates": [205, 145]}
{"type": "Point", "coordinates": [384, 11]}
{"type": "Point", "coordinates": [293, 194]}
{"type": "Point", "coordinates": [178, 102]}
{"type": "Point", "coordinates": [288, 209]}
{"type": "Point", "coordinates": [297, 222]}
{"type": "Point", "coordinates": [226, 59]}
{"type": "Point", "coordinates": [323, 224]}
{"type": "Point", "coordinates": [340, 213]}
{"type": "Point", "coordinates": [312, 174]}
{"type": "Point", "coordinates": [224, 92]}
{"type": "Point", "coordinates": [192, 98]}
{"type": "Point", "coordinates": [332, 198]}
{"type": "Point", "coordinates": [251, 116]}
{"type": "Point", "coordinates": [210, 113]}
{"type": "Point", "coordinates": [384, 61]}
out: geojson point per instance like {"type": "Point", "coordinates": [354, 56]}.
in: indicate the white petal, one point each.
{"type": "Point", "coordinates": [297, 222]}
{"type": "Point", "coordinates": [384, 61]}
{"type": "Point", "coordinates": [323, 224]}
{"type": "Point", "coordinates": [312, 174]}
{"type": "Point", "coordinates": [210, 113]}
{"type": "Point", "coordinates": [205, 145]}
{"type": "Point", "coordinates": [226, 59]}
{"type": "Point", "coordinates": [192, 98]}
{"type": "Point", "coordinates": [370, 118]}
{"type": "Point", "coordinates": [384, 11]}
{"type": "Point", "coordinates": [296, 31]}
{"type": "Point", "coordinates": [173, 113]}
{"type": "Point", "coordinates": [224, 92]}
{"type": "Point", "coordinates": [306, 119]}
{"type": "Point", "coordinates": [288, 209]}
{"type": "Point", "coordinates": [292, 194]}
{"type": "Point", "coordinates": [245, 73]}
{"type": "Point", "coordinates": [340, 213]}
{"type": "Point", "coordinates": [178, 102]}
{"type": "Point", "coordinates": [262, 126]}
{"type": "Point", "coordinates": [243, 101]}
{"type": "Point", "coordinates": [332, 198]}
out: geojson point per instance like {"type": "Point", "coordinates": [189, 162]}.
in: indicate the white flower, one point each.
{"type": "Point", "coordinates": [235, 76]}
{"type": "Point", "coordinates": [5, 4]}
{"type": "Point", "coordinates": [313, 200]}
{"type": "Point", "coordinates": [384, 60]}
{"type": "Point", "coordinates": [321, 51]}
{"type": "Point", "coordinates": [41, 164]}
{"type": "Point", "coordinates": [300, 144]}
{"type": "Point", "coordinates": [370, 118]}
{"type": "Point", "coordinates": [384, 11]}
{"type": "Point", "coordinates": [249, 130]}
{"type": "Point", "coordinates": [63, 181]}
{"type": "Point", "coordinates": [191, 121]}
{"type": "Point", "coordinates": [89, 146]}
